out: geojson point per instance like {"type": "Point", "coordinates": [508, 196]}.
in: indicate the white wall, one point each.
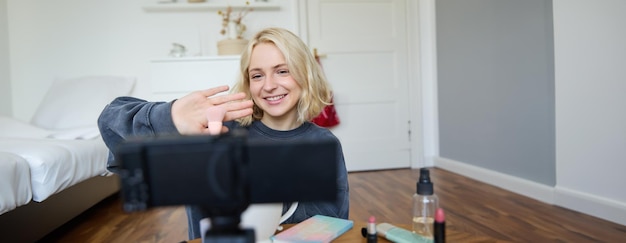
{"type": "Point", "coordinates": [70, 38]}
{"type": "Point", "coordinates": [5, 82]}
{"type": "Point", "coordinates": [590, 83]}
{"type": "Point", "coordinates": [590, 79]}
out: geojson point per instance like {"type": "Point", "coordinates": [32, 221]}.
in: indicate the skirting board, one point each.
{"type": "Point", "coordinates": [582, 202]}
{"type": "Point", "coordinates": [600, 207]}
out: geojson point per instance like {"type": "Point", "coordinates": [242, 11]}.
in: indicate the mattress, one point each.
{"type": "Point", "coordinates": [14, 182]}
{"type": "Point", "coordinates": [13, 128]}
{"type": "Point", "coordinates": [57, 164]}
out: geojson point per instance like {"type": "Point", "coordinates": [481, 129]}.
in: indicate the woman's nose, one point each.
{"type": "Point", "coordinates": [270, 83]}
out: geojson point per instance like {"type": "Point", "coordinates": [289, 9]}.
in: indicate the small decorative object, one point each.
{"type": "Point", "coordinates": [178, 50]}
{"type": "Point", "coordinates": [231, 46]}
{"type": "Point", "coordinates": [233, 28]}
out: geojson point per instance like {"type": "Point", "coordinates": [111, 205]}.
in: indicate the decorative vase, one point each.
{"type": "Point", "coordinates": [231, 46]}
{"type": "Point", "coordinates": [232, 30]}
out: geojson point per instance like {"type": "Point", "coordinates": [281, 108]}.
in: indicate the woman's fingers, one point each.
{"type": "Point", "coordinates": [232, 115]}
{"type": "Point", "coordinates": [213, 91]}
{"type": "Point", "coordinates": [218, 100]}
{"type": "Point", "coordinates": [234, 105]}
{"type": "Point", "coordinates": [239, 109]}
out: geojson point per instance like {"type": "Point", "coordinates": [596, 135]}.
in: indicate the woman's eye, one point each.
{"type": "Point", "coordinates": [283, 72]}
{"type": "Point", "coordinates": [255, 76]}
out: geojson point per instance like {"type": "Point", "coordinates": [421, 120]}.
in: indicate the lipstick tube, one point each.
{"type": "Point", "coordinates": [372, 237]}
{"type": "Point", "coordinates": [439, 227]}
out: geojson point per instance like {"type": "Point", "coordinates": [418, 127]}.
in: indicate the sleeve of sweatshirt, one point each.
{"type": "Point", "coordinates": [127, 117]}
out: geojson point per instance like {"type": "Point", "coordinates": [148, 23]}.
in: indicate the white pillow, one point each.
{"type": "Point", "coordinates": [13, 128]}
{"type": "Point", "coordinates": [78, 102]}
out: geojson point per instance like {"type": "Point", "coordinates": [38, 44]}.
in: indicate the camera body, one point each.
{"type": "Point", "coordinates": [225, 173]}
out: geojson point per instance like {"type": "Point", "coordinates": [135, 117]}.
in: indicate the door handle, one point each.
{"type": "Point", "coordinates": [317, 55]}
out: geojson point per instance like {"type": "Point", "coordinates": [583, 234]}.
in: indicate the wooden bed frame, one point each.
{"type": "Point", "coordinates": [35, 220]}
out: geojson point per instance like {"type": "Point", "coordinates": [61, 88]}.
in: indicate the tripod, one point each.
{"type": "Point", "coordinates": [225, 227]}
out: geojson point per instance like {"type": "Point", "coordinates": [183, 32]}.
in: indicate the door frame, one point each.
{"type": "Point", "coordinates": [423, 22]}
{"type": "Point", "coordinates": [424, 138]}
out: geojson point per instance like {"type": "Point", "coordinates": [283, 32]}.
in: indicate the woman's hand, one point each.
{"type": "Point", "coordinates": [189, 113]}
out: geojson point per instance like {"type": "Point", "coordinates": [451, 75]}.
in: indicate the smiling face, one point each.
{"type": "Point", "coordinates": [272, 87]}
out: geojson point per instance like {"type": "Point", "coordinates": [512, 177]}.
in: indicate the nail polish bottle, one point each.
{"type": "Point", "coordinates": [425, 203]}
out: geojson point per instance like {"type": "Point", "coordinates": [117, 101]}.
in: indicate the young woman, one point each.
{"type": "Point", "coordinates": [281, 88]}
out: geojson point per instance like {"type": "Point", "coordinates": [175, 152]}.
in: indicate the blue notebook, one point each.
{"type": "Point", "coordinates": [318, 229]}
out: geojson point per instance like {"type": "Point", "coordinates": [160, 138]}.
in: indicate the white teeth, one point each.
{"type": "Point", "coordinates": [275, 98]}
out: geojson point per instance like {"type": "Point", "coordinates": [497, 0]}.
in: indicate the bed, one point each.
{"type": "Point", "coordinates": [53, 167]}
{"type": "Point", "coordinates": [14, 182]}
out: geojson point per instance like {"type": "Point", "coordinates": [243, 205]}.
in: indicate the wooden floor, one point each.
{"type": "Point", "coordinates": [470, 206]}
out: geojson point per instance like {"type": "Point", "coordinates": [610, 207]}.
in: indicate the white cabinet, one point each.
{"type": "Point", "coordinates": [173, 78]}
{"type": "Point", "coordinates": [209, 5]}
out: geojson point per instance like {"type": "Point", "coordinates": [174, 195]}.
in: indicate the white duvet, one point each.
{"type": "Point", "coordinates": [15, 186]}
{"type": "Point", "coordinates": [56, 159]}
{"type": "Point", "coordinates": [58, 164]}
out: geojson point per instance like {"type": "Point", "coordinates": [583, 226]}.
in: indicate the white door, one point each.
{"type": "Point", "coordinates": [363, 49]}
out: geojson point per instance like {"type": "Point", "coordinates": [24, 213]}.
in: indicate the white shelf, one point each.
{"type": "Point", "coordinates": [206, 6]}
{"type": "Point", "coordinates": [197, 58]}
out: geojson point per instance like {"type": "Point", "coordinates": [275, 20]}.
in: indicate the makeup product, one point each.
{"type": "Point", "coordinates": [400, 235]}
{"type": "Point", "coordinates": [439, 226]}
{"type": "Point", "coordinates": [215, 116]}
{"type": "Point", "coordinates": [318, 228]}
{"type": "Point", "coordinates": [372, 237]}
{"type": "Point", "coordinates": [425, 202]}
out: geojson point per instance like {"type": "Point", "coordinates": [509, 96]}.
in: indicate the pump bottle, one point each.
{"type": "Point", "coordinates": [425, 203]}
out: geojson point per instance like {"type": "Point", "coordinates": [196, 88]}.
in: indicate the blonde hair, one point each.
{"type": "Point", "coordinates": [316, 91]}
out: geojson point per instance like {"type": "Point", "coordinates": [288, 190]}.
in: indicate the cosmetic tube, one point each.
{"type": "Point", "coordinates": [372, 237]}
{"type": "Point", "coordinates": [400, 235]}
{"type": "Point", "coordinates": [439, 226]}
{"type": "Point", "coordinates": [215, 115]}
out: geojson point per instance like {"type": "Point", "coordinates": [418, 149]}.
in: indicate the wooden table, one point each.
{"type": "Point", "coordinates": [354, 235]}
